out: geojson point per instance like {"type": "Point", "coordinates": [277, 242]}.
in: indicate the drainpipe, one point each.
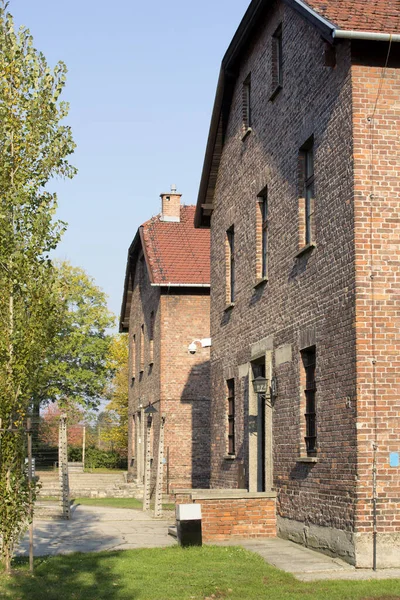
{"type": "Point", "coordinates": [374, 500]}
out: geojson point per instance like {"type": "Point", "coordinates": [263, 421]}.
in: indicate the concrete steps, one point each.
{"type": "Point", "coordinates": [88, 485]}
{"type": "Point", "coordinates": [45, 511]}
{"type": "Point", "coordinates": [75, 467]}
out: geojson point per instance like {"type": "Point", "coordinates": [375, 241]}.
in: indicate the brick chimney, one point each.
{"type": "Point", "coordinates": [171, 206]}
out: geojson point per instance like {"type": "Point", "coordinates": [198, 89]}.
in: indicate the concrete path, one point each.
{"type": "Point", "coordinates": [308, 565]}
{"type": "Point", "coordinates": [94, 529]}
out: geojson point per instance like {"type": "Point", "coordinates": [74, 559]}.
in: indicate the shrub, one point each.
{"type": "Point", "coordinates": [95, 458]}
{"type": "Point", "coordinates": [74, 454]}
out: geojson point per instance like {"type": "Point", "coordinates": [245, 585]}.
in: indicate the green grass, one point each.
{"type": "Point", "coordinates": [113, 502]}
{"type": "Point", "coordinates": [117, 503]}
{"type": "Point", "coordinates": [174, 573]}
{"type": "Point", "coordinates": [168, 506]}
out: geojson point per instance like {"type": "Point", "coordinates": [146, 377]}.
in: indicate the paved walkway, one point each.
{"type": "Point", "coordinates": [95, 528]}
{"type": "Point", "coordinates": [308, 565]}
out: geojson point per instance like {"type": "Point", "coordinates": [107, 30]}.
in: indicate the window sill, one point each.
{"type": "Point", "coordinates": [307, 459]}
{"type": "Point", "coordinates": [275, 92]}
{"type": "Point", "coordinates": [230, 457]}
{"type": "Point", "coordinates": [246, 133]}
{"type": "Point", "coordinates": [260, 282]}
{"type": "Point", "coordinates": [308, 248]}
{"type": "Point", "coordinates": [229, 306]}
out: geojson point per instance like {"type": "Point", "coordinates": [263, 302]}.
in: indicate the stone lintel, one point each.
{"type": "Point", "coordinates": [258, 349]}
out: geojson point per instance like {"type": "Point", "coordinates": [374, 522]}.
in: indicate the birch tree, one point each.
{"type": "Point", "coordinates": [34, 148]}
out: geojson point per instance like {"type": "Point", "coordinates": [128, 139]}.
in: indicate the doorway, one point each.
{"type": "Point", "coordinates": [258, 368]}
{"type": "Point", "coordinates": [139, 447]}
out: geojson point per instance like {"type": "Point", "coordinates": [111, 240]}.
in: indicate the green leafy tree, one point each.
{"type": "Point", "coordinates": [117, 393]}
{"type": "Point", "coordinates": [34, 147]}
{"type": "Point", "coordinates": [76, 367]}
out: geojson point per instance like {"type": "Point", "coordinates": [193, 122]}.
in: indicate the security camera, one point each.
{"type": "Point", "coordinates": [192, 348]}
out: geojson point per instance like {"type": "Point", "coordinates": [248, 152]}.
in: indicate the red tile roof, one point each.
{"type": "Point", "coordinates": [360, 15]}
{"type": "Point", "coordinates": [177, 253]}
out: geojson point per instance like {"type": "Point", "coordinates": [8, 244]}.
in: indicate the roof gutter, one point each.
{"type": "Point", "coordinates": [348, 35]}
{"type": "Point", "coordinates": [169, 284]}
{"type": "Point", "coordinates": [365, 35]}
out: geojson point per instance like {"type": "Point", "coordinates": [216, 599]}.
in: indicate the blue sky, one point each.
{"type": "Point", "coordinates": [141, 84]}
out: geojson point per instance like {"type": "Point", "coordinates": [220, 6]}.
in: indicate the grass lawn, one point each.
{"type": "Point", "coordinates": [114, 502]}
{"type": "Point", "coordinates": [174, 573]}
{"type": "Point", "coordinates": [117, 503]}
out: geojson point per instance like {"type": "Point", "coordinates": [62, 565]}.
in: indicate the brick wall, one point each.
{"type": "Point", "coordinates": [176, 382]}
{"type": "Point", "coordinates": [146, 385]}
{"type": "Point", "coordinates": [185, 386]}
{"type": "Point", "coordinates": [377, 259]}
{"type": "Point", "coordinates": [312, 292]}
{"type": "Point", "coordinates": [227, 517]}
{"type": "Point", "coordinates": [224, 519]}
{"type": "Point", "coordinates": [322, 296]}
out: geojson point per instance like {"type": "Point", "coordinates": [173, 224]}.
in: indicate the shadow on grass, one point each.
{"type": "Point", "coordinates": [174, 573]}
{"type": "Point", "coordinates": [76, 576]}
{"type": "Point", "coordinates": [146, 574]}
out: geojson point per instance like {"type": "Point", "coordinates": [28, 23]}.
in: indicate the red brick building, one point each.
{"type": "Point", "coordinates": [165, 308]}
{"type": "Point", "coordinates": [300, 186]}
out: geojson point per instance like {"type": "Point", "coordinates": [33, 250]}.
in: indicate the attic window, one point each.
{"type": "Point", "coordinates": [141, 366]}
{"type": "Point", "coordinates": [133, 358]}
{"type": "Point", "coordinates": [246, 105]}
{"type": "Point", "coordinates": [277, 62]}
{"type": "Point", "coordinates": [230, 266]}
{"type": "Point", "coordinates": [151, 338]}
